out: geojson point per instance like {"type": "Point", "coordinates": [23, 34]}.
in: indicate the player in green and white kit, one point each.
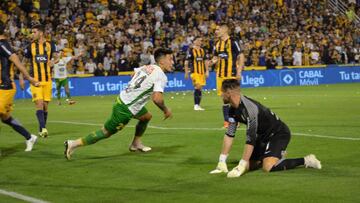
{"type": "Point", "coordinates": [61, 77]}
{"type": "Point", "coordinates": [149, 81]}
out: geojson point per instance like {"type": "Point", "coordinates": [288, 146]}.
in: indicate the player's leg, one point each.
{"type": "Point", "coordinates": [226, 107]}
{"type": "Point", "coordinates": [58, 90]}
{"type": "Point", "coordinates": [67, 92]}
{"type": "Point", "coordinates": [119, 118]}
{"type": "Point", "coordinates": [38, 99]}
{"type": "Point", "coordinates": [201, 83]}
{"type": "Point", "coordinates": [144, 118]}
{"type": "Point", "coordinates": [47, 93]}
{"type": "Point", "coordinates": [275, 149]}
{"type": "Point", "coordinates": [197, 97]}
{"type": "Point", "coordinates": [6, 106]}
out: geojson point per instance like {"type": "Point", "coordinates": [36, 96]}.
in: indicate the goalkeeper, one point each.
{"type": "Point", "coordinates": [266, 138]}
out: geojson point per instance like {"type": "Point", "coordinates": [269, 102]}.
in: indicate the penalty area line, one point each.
{"type": "Point", "coordinates": [211, 129]}
{"type": "Point", "coordinates": [21, 197]}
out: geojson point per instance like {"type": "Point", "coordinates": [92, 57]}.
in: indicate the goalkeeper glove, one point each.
{"type": "Point", "coordinates": [238, 170]}
{"type": "Point", "coordinates": [220, 168]}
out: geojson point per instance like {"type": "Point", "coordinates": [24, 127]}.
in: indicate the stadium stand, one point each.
{"type": "Point", "coordinates": [271, 32]}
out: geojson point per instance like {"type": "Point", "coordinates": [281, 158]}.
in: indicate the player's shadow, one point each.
{"type": "Point", "coordinates": [163, 149]}
{"type": "Point", "coordinates": [157, 149]}
{"type": "Point", "coordinates": [5, 152]}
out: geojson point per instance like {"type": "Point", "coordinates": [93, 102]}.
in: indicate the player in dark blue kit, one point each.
{"type": "Point", "coordinates": [267, 136]}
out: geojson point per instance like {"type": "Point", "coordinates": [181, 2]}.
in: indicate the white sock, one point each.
{"type": "Point", "coordinates": [223, 157]}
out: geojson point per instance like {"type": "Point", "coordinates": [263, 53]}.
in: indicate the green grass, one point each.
{"type": "Point", "coordinates": [177, 168]}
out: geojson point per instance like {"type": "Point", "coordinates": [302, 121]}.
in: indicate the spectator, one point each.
{"type": "Point", "coordinates": [128, 26]}
{"type": "Point", "coordinates": [99, 71]}
{"type": "Point", "coordinates": [107, 61]}
{"type": "Point", "coordinates": [147, 58]}
{"type": "Point", "coordinates": [297, 57]}
{"type": "Point", "coordinates": [90, 66]}
{"type": "Point", "coordinates": [113, 70]}
{"type": "Point", "coordinates": [270, 62]}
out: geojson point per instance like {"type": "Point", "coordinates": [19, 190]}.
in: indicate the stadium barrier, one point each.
{"type": "Point", "coordinates": [92, 86]}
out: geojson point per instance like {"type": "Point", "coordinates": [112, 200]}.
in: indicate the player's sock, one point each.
{"type": "Point", "coordinates": [226, 109]}
{"type": "Point", "coordinates": [200, 95]}
{"type": "Point", "coordinates": [93, 137]}
{"type": "Point", "coordinates": [197, 96]}
{"type": "Point", "coordinates": [17, 127]}
{"type": "Point", "coordinates": [286, 164]}
{"type": "Point", "coordinates": [45, 116]}
{"type": "Point", "coordinates": [41, 119]}
{"type": "Point", "coordinates": [141, 127]}
{"type": "Point", "coordinates": [223, 157]}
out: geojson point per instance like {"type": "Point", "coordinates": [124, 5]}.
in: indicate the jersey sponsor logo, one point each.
{"type": "Point", "coordinates": [41, 58]}
{"type": "Point", "coordinates": [199, 58]}
{"type": "Point", "coordinates": [223, 55]}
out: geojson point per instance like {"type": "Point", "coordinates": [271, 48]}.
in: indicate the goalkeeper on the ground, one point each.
{"type": "Point", "coordinates": [266, 137]}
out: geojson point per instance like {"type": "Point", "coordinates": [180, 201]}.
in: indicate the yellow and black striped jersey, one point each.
{"type": "Point", "coordinates": [6, 66]}
{"type": "Point", "coordinates": [40, 55]}
{"type": "Point", "coordinates": [227, 52]}
{"type": "Point", "coordinates": [196, 58]}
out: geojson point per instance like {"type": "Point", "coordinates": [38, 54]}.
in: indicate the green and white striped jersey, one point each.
{"type": "Point", "coordinates": [146, 80]}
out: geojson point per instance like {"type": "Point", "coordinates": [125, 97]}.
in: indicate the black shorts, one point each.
{"type": "Point", "coordinates": [274, 147]}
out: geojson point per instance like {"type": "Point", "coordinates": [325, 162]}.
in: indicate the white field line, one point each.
{"type": "Point", "coordinates": [21, 197]}
{"type": "Point", "coordinates": [211, 129]}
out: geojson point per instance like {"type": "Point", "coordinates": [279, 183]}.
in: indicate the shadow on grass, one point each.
{"type": "Point", "coordinates": [164, 149]}
{"type": "Point", "coordinates": [10, 150]}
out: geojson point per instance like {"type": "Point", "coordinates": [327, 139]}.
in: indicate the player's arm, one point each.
{"type": "Point", "coordinates": [21, 81]}
{"type": "Point", "coordinates": [244, 164]}
{"type": "Point", "coordinates": [240, 63]}
{"type": "Point", "coordinates": [186, 68]}
{"type": "Point", "coordinates": [226, 147]}
{"type": "Point", "coordinates": [158, 100]}
{"type": "Point", "coordinates": [207, 64]}
{"type": "Point", "coordinates": [77, 56]}
{"type": "Point", "coordinates": [186, 63]}
{"type": "Point", "coordinates": [15, 59]}
{"type": "Point", "coordinates": [240, 60]}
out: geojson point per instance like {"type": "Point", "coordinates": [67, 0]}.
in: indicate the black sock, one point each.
{"type": "Point", "coordinates": [40, 116]}
{"type": "Point", "coordinates": [226, 109]}
{"type": "Point", "coordinates": [17, 127]}
{"type": "Point", "coordinates": [287, 164]}
{"type": "Point", "coordinates": [45, 116]}
{"type": "Point", "coordinates": [200, 96]}
{"type": "Point", "coordinates": [197, 96]}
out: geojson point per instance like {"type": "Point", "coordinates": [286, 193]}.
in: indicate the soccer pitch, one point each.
{"type": "Point", "coordinates": [324, 120]}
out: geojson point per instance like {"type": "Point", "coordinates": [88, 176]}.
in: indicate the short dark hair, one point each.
{"type": "Point", "coordinates": [39, 27]}
{"type": "Point", "coordinates": [230, 84]}
{"type": "Point", "coordinates": [2, 28]}
{"type": "Point", "coordinates": [160, 52]}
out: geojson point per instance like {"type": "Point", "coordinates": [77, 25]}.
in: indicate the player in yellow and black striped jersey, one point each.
{"type": "Point", "coordinates": [40, 52]}
{"type": "Point", "coordinates": [196, 59]}
{"type": "Point", "coordinates": [8, 59]}
{"type": "Point", "coordinates": [229, 61]}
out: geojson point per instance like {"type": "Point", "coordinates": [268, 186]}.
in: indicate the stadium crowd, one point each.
{"type": "Point", "coordinates": [118, 35]}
